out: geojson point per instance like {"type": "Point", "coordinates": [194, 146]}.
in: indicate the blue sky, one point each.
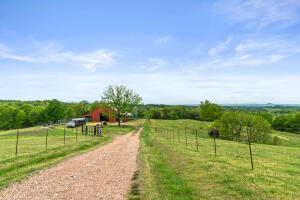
{"type": "Point", "coordinates": [172, 52]}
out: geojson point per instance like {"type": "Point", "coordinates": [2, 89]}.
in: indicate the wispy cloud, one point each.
{"type": "Point", "coordinates": [250, 52]}
{"type": "Point", "coordinates": [260, 13]}
{"type": "Point", "coordinates": [162, 39]}
{"type": "Point", "coordinates": [221, 46]}
{"type": "Point", "coordinates": [153, 64]}
{"type": "Point", "coordinates": [49, 53]}
{"type": "Point", "coordinates": [7, 53]}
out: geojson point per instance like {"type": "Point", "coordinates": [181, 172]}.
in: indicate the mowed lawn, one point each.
{"type": "Point", "coordinates": [32, 152]}
{"type": "Point", "coordinates": [173, 168]}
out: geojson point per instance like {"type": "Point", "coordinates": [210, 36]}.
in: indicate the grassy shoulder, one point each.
{"type": "Point", "coordinates": [33, 156]}
{"type": "Point", "coordinates": [174, 169]}
{"type": "Point", "coordinates": [157, 179]}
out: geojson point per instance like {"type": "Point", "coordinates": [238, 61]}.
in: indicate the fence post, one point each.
{"type": "Point", "coordinates": [17, 142]}
{"type": "Point", "coordinates": [250, 151]}
{"type": "Point", "coordinates": [46, 138]}
{"type": "Point", "coordinates": [76, 134]}
{"type": "Point", "coordinates": [185, 136]}
{"type": "Point", "coordinates": [86, 131]}
{"type": "Point", "coordinates": [197, 140]}
{"type": "Point", "coordinates": [93, 134]}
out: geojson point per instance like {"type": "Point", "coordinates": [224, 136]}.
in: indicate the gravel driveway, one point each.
{"type": "Point", "coordinates": [104, 173]}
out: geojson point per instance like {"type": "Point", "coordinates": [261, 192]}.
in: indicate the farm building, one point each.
{"type": "Point", "coordinates": [102, 114]}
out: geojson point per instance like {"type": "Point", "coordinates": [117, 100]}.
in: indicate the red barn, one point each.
{"type": "Point", "coordinates": [103, 114]}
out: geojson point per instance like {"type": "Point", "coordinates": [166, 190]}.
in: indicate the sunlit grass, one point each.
{"type": "Point", "coordinates": [276, 172]}
{"type": "Point", "coordinates": [32, 152]}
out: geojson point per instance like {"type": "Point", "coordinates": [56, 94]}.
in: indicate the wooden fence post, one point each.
{"type": "Point", "coordinates": [250, 151]}
{"type": "Point", "coordinates": [17, 142]}
{"type": "Point", "coordinates": [86, 132]}
{"type": "Point", "coordinates": [76, 134]}
{"type": "Point", "coordinates": [197, 140]}
{"type": "Point", "coordinates": [46, 138]}
{"type": "Point", "coordinates": [93, 134]}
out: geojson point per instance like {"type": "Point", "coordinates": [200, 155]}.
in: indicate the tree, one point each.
{"type": "Point", "coordinates": [37, 115]}
{"type": "Point", "coordinates": [210, 111]}
{"type": "Point", "coordinates": [121, 99]}
{"type": "Point", "coordinates": [54, 110]}
{"type": "Point", "coordinates": [238, 125]}
{"type": "Point", "coordinates": [21, 119]}
{"type": "Point", "coordinates": [70, 112]}
{"type": "Point", "coordinates": [279, 123]}
{"type": "Point", "coordinates": [7, 117]}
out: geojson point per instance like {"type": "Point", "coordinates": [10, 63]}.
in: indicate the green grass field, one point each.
{"type": "Point", "coordinates": [174, 169]}
{"type": "Point", "coordinates": [32, 153]}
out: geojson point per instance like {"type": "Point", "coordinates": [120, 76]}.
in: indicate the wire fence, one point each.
{"type": "Point", "coordinates": [26, 142]}
{"type": "Point", "coordinates": [197, 139]}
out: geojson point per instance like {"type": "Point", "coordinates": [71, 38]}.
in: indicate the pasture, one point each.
{"type": "Point", "coordinates": [34, 154]}
{"type": "Point", "coordinates": [173, 168]}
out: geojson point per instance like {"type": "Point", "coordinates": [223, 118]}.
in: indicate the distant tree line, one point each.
{"type": "Point", "coordinates": [273, 117]}
{"type": "Point", "coordinates": [288, 123]}
{"type": "Point", "coordinates": [19, 114]}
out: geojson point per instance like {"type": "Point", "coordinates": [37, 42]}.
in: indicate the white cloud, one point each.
{"type": "Point", "coordinates": [49, 53]}
{"type": "Point", "coordinates": [260, 13]}
{"type": "Point", "coordinates": [162, 39]}
{"type": "Point", "coordinates": [251, 52]}
{"type": "Point", "coordinates": [221, 46]}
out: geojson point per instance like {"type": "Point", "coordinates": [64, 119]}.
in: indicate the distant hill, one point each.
{"type": "Point", "coordinates": [244, 105]}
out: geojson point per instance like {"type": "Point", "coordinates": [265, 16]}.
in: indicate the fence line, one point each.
{"type": "Point", "coordinates": [40, 140]}
{"type": "Point", "coordinates": [194, 131]}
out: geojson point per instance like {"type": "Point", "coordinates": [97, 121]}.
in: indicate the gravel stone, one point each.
{"type": "Point", "coordinates": [103, 173]}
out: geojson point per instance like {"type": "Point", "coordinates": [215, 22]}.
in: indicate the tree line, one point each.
{"type": "Point", "coordinates": [20, 114]}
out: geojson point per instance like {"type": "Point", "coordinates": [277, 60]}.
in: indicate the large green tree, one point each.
{"type": "Point", "coordinates": [121, 99]}
{"type": "Point", "coordinates": [37, 115]}
{"type": "Point", "coordinates": [21, 119]}
{"type": "Point", "coordinates": [210, 111]}
{"type": "Point", "coordinates": [54, 110]}
{"type": "Point", "coordinates": [237, 126]}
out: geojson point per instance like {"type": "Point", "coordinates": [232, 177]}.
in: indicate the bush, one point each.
{"type": "Point", "coordinates": [213, 132]}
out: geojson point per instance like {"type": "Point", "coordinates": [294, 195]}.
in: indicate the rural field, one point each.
{"type": "Point", "coordinates": [173, 168]}
{"type": "Point", "coordinates": [150, 100]}
{"type": "Point", "coordinates": [32, 152]}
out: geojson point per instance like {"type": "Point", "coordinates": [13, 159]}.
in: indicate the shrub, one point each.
{"type": "Point", "coordinates": [213, 132]}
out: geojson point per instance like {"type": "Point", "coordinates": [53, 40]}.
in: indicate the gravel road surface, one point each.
{"type": "Point", "coordinates": [104, 173]}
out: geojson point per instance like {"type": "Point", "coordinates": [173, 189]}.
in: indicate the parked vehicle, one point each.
{"type": "Point", "coordinates": [71, 124]}
{"type": "Point", "coordinates": [79, 121]}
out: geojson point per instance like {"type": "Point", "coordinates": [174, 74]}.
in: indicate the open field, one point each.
{"type": "Point", "coordinates": [32, 153]}
{"type": "Point", "coordinates": [173, 168]}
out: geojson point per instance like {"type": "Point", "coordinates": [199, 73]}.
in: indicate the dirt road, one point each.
{"type": "Point", "coordinates": [104, 173]}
